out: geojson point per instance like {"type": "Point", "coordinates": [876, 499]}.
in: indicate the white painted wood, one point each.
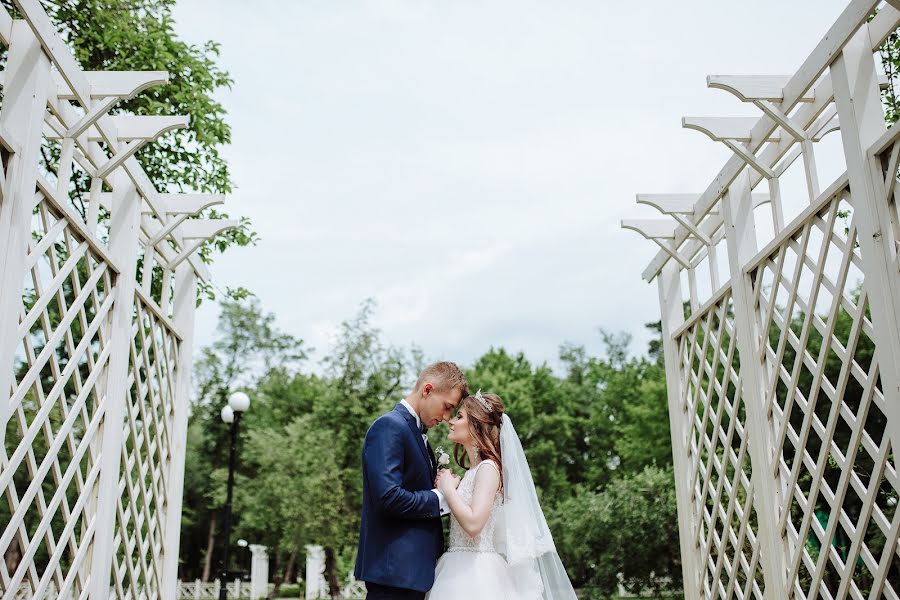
{"type": "Point", "coordinates": [189, 204]}
{"type": "Point", "coordinates": [107, 501]}
{"type": "Point", "coordinates": [90, 117]}
{"type": "Point", "coordinates": [183, 315]}
{"type": "Point", "coordinates": [740, 235]}
{"type": "Point", "coordinates": [670, 302]}
{"type": "Point", "coordinates": [854, 16]}
{"type": "Point", "coordinates": [119, 84]}
{"type": "Point", "coordinates": [858, 101]}
{"type": "Point", "coordinates": [203, 229]}
{"type": "Point", "coordinates": [652, 228]}
{"type": "Point", "coordinates": [21, 115]}
{"type": "Point", "coordinates": [750, 88]}
{"type": "Point", "coordinates": [683, 204]}
{"type": "Point", "coordinates": [123, 245]}
{"type": "Point", "coordinates": [720, 129]}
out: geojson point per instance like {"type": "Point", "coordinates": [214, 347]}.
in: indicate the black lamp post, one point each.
{"type": "Point", "coordinates": [238, 402]}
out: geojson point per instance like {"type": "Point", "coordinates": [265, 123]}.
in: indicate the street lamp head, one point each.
{"type": "Point", "coordinates": [227, 414]}
{"type": "Point", "coordinates": [239, 401]}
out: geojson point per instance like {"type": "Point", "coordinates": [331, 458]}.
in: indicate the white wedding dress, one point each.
{"type": "Point", "coordinates": [472, 569]}
{"type": "Point", "coordinates": [514, 557]}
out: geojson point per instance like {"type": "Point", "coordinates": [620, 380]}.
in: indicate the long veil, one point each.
{"type": "Point", "coordinates": [522, 535]}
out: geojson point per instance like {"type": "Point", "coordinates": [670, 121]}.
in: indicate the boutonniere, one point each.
{"type": "Point", "coordinates": [443, 458]}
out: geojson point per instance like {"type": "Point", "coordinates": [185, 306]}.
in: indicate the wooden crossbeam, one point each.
{"type": "Point", "coordinates": [203, 229]}
{"type": "Point", "coordinates": [683, 204]}
{"type": "Point", "coordinates": [105, 84]}
{"type": "Point", "coordinates": [751, 88]}
{"type": "Point", "coordinates": [652, 228]}
{"type": "Point", "coordinates": [734, 132]}
{"type": "Point", "coordinates": [143, 131]}
{"type": "Point", "coordinates": [721, 129]}
{"type": "Point", "coordinates": [188, 204]}
{"type": "Point", "coordinates": [657, 230]}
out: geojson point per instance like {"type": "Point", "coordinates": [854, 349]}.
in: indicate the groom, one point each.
{"type": "Point", "coordinates": [401, 536]}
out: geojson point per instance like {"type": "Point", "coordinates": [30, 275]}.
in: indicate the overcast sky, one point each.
{"type": "Point", "coordinates": [467, 163]}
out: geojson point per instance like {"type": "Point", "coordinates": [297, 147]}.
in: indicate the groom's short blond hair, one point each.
{"type": "Point", "coordinates": [445, 376]}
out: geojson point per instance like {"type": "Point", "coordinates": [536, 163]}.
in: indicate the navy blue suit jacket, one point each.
{"type": "Point", "coordinates": [401, 536]}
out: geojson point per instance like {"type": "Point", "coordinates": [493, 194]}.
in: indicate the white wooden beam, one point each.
{"type": "Point", "coordinates": [154, 128]}
{"type": "Point", "coordinates": [188, 204]}
{"type": "Point", "coordinates": [683, 204]}
{"type": "Point", "coordinates": [181, 206]}
{"type": "Point", "coordinates": [770, 88]}
{"type": "Point", "coordinates": [750, 88]}
{"type": "Point", "coordinates": [721, 129]}
{"type": "Point", "coordinates": [121, 84]}
{"type": "Point", "coordinates": [652, 228]}
{"type": "Point", "coordinates": [657, 230]}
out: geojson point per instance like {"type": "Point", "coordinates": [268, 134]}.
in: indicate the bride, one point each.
{"type": "Point", "coordinates": [500, 545]}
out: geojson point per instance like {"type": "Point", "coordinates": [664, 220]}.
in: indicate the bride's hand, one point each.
{"type": "Point", "coordinates": [447, 481]}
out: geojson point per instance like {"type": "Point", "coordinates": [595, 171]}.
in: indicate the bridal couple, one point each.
{"type": "Point", "coordinates": [500, 547]}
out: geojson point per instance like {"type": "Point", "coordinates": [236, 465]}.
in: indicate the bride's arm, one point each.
{"type": "Point", "coordinates": [473, 518]}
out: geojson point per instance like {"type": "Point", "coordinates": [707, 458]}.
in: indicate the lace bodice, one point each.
{"type": "Point", "coordinates": [460, 541]}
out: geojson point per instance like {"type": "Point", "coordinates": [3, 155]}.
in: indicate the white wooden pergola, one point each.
{"type": "Point", "coordinates": [96, 327]}
{"type": "Point", "coordinates": [784, 377]}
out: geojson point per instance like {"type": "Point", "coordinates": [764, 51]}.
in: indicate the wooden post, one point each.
{"type": "Point", "coordinates": [858, 100]}
{"type": "Point", "coordinates": [672, 311]}
{"type": "Point", "coordinates": [22, 116]}
{"type": "Point", "coordinates": [183, 315]}
{"type": "Point", "coordinates": [123, 246]}
{"type": "Point", "coordinates": [740, 235]}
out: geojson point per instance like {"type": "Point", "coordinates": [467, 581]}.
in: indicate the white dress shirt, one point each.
{"type": "Point", "coordinates": [445, 508]}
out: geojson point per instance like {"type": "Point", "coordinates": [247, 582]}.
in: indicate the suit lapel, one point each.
{"type": "Point", "coordinates": [411, 421]}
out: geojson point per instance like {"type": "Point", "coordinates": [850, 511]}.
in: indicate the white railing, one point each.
{"type": "Point", "coordinates": [97, 296]}
{"type": "Point", "coordinates": [783, 358]}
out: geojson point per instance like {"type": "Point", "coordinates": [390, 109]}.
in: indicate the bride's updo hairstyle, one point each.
{"type": "Point", "coordinates": [484, 413]}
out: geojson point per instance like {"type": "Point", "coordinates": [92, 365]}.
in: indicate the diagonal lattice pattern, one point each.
{"type": "Point", "coordinates": [49, 459]}
{"type": "Point", "coordinates": [723, 519]}
{"type": "Point", "coordinates": [146, 454]}
{"type": "Point", "coordinates": [827, 411]}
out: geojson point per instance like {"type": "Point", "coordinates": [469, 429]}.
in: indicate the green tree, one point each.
{"type": "Point", "coordinates": [248, 347]}
{"type": "Point", "coordinates": [627, 534]}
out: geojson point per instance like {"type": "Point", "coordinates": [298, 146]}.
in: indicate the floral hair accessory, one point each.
{"type": "Point", "coordinates": [484, 403]}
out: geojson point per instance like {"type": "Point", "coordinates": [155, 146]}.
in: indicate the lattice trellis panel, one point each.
{"type": "Point", "coordinates": [98, 283]}
{"type": "Point", "coordinates": [788, 380]}
{"type": "Point", "coordinates": [723, 521]}
{"type": "Point", "coordinates": [57, 403]}
{"type": "Point", "coordinates": [146, 455]}
{"type": "Point", "coordinates": [827, 408]}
